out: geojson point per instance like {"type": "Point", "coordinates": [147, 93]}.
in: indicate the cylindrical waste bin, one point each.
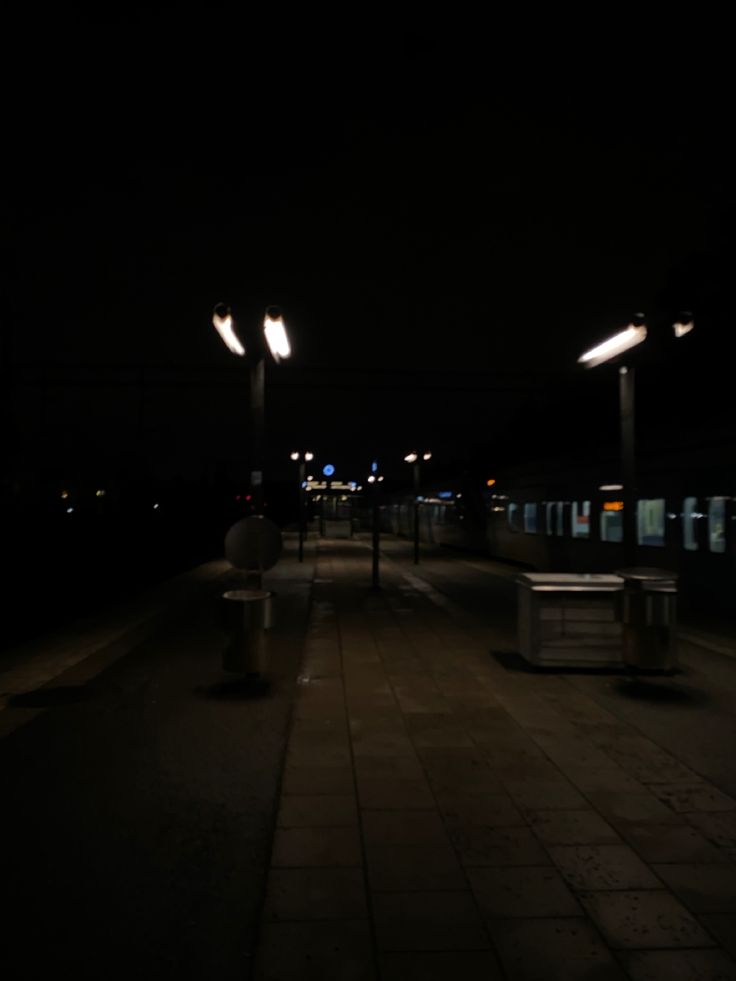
{"type": "Point", "coordinates": [245, 612]}
{"type": "Point", "coordinates": [649, 617]}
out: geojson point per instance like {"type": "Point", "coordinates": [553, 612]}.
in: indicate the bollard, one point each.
{"type": "Point", "coordinates": [245, 614]}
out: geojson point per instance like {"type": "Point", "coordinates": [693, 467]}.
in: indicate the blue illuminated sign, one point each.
{"type": "Point", "coordinates": [445, 494]}
{"type": "Point", "coordinates": [328, 470]}
{"type": "Point", "coordinates": [374, 466]}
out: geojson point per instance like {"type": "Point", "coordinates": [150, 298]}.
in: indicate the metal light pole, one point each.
{"type": "Point", "coordinates": [413, 458]}
{"type": "Point", "coordinates": [302, 459]}
{"type": "Point", "coordinates": [276, 339]}
{"type": "Point", "coordinates": [608, 350]}
{"type": "Point", "coordinates": [375, 479]}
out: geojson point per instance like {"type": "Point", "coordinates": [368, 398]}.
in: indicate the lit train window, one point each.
{"type": "Point", "coordinates": [717, 524]}
{"type": "Point", "coordinates": [560, 517]}
{"type": "Point", "coordinates": [612, 522]}
{"type": "Point", "coordinates": [690, 515]}
{"type": "Point", "coordinates": [530, 518]}
{"type": "Point", "coordinates": [512, 516]}
{"type": "Point", "coordinates": [580, 519]}
{"type": "Point", "coordinates": [550, 511]}
{"type": "Point", "coordinates": [650, 521]}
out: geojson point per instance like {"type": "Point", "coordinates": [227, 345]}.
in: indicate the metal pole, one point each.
{"type": "Point", "coordinates": [302, 473]}
{"type": "Point", "coordinates": [626, 378]}
{"type": "Point", "coordinates": [416, 513]}
{"type": "Point", "coordinates": [258, 434]}
{"type": "Point", "coordinates": [376, 536]}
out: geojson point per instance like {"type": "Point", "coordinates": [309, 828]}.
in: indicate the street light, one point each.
{"type": "Point", "coordinates": [374, 478]}
{"type": "Point", "coordinates": [302, 459]}
{"type": "Point", "coordinates": [276, 339]}
{"type": "Point", "coordinates": [608, 350]}
{"type": "Point", "coordinates": [413, 458]}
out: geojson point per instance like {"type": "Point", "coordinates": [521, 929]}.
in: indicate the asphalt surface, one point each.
{"type": "Point", "coordinates": [139, 805]}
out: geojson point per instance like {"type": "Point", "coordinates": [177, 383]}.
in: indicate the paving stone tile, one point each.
{"type": "Point", "coordinates": [317, 810]}
{"type": "Point", "coordinates": [640, 920]}
{"type": "Point", "coordinates": [479, 810]}
{"type": "Point", "coordinates": [702, 888]}
{"type": "Point", "coordinates": [299, 847]}
{"type": "Point", "coordinates": [551, 949]}
{"type": "Point", "coordinates": [545, 795]}
{"type": "Point", "coordinates": [315, 951]}
{"type": "Point", "coordinates": [382, 744]}
{"type": "Point", "coordinates": [718, 827]}
{"type": "Point", "coordinates": [428, 921]}
{"type": "Point", "coordinates": [610, 779]}
{"type": "Point", "coordinates": [387, 793]}
{"type": "Point", "coordinates": [622, 809]}
{"type": "Point", "coordinates": [315, 894]}
{"type": "Point", "coordinates": [531, 891]}
{"type": "Point", "coordinates": [318, 780]}
{"type": "Point", "coordinates": [440, 965]}
{"type": "Point", "coordinates": [700, 796]}
{"type": "Point", "coordinates": [489, 847]}
{"type": "Point", "coordinates": [397, 827]}
{"type": "Point", "coordinates": [578, 827]}
{"type": "Point", "coordinates": [402, 868]}
{"type": "Point", "coordinates": [722, 926]}
{"type": "Point", "coordinates": [400, 767]}
{"type": "Point", "coordinates": [441, 737]}
{"type": "Point", "coordinates": [602, 867]}
{"type": "Point", "coordinates": [670, 843]}
{"type": "Point", "coordinates": [301, 753]}
{"type": "Point", "coordinates": [679, 965]}
{"type": "Point", "coordinates": [645, 761]}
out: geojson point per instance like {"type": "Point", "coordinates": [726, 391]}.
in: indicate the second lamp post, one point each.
{"type": "Point", "coordinates": [302, 459]}
{"type": "Point", "coordinates": [414, 459]}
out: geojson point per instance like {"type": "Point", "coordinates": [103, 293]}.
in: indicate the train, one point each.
{"type": "Point", "coordinates": [563, 518]}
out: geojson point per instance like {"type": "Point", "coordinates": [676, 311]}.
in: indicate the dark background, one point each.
{"type": "Point", "coordinates": [448, 213]}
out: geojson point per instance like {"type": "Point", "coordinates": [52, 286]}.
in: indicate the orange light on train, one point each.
{"type": "Point", "coordinates": [613, 505]}
{"type": "Point", "coordinates": [490, 483]}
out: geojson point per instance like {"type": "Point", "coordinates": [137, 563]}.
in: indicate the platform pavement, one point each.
{"type": "Point", "coordinates": [444, 812]}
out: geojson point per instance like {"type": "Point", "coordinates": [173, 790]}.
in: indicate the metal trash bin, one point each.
{"type": "Point", "coordinates": [245, 614]}
{"type": "Point", "coordinates": [649, 618]}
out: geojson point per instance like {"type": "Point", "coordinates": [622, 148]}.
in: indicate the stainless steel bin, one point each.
{"type": "Point", "coordinates": [649, 618]}
{"type": "Point", "coordinates": [245, 614]}
{"type": "Point", "coordinates": [569, 619]}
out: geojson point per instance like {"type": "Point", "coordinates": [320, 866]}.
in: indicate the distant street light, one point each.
{"type": "Point", "coordinates": [277, 341]}
{"type": "Point", "coordinates": [374, 479]}
{"type": "Point", "coordinates": [413, 458]}
{"type": "Point", "coordinates": [302, 459]}
{"type": "Point", "coordinates": [608, 350]}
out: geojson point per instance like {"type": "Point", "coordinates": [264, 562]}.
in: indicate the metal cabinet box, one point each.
{"type": "Point", "coordinates": [569, 619]}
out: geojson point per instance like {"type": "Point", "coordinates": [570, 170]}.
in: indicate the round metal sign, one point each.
{"type": "Point", "coordinates": [253, 543]}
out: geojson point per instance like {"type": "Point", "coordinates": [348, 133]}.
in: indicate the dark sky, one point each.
{"type": "Point", "coordinates": [447, 216]}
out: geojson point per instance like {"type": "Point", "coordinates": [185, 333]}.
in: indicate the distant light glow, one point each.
{"type": "Point", "coordinates": [308, 456]}
{"type": "Point", "coordinates": [69, 510]}
{"type": "Point", "coordinates": [426, 456]}
{"type": "Point", "coordinates": [276, 338]}
{"type": "Point", "coordinates": [374, 466]}
{"type": "Point", "coordinates": [490, 483]}
{"type": "Point", "coordinates": [100, 493]}
{"type": "Point", "coordinates": [328, 470]}
{"type": "Point", "coordinates": [444, 494]}
{"type": "Point", "coordinates": [379, 479]}
{"type": "Point", "coordinates": [156, 507]}
{"type": "Point", "coordinates": [613, 505]}
{"type": "Point", "coordinates": [294, 456]}
{"type": "Point", "coordinates": [372, 479]}
{"type": "Point", "coordinates": [611, 487]}
{"type": "Point", "coordinates": [225, 328]}
{"type": "Point", "coordinates": [64, 495]}
{"type": "Point", "coordinates": [411, 457]}
{"type": "Point", "coordinates": [614, 346]}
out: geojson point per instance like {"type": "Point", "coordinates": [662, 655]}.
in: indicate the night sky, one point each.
{"type": "Point", "coordinates": [448, 217]}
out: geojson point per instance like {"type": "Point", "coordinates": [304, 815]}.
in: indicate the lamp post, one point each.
{"type": "Point", "coordinates": [609, 350]}
{"type": "Point", "coordinates": [413, 458]}
{"type": "Point", "coordinates": [374, 479]}
{"type": "Point", "coordinates": [302, 459]}
{"type": "Point", "coordinates": [277, 341]}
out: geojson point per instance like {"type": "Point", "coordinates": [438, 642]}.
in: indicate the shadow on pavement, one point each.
{"type": "Point", "coordinates": [52, 697]}
{"type": "Point", "coordinates": [236, 689]}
